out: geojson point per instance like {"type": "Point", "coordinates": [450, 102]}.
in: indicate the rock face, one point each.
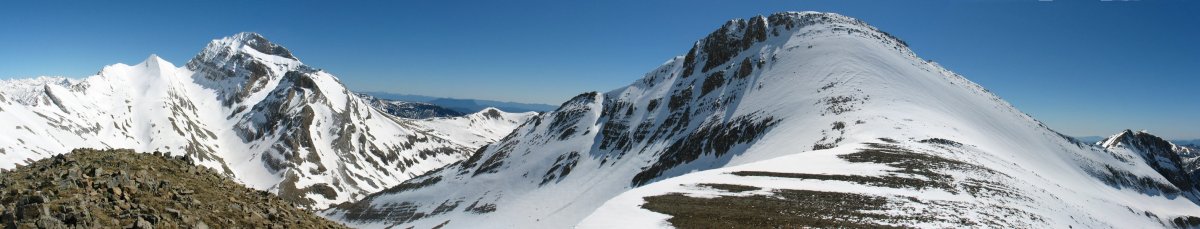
{"type": "Point", "coordinates": [124, 189]}
{"type": "Point", "coordinates": [1176, 163]}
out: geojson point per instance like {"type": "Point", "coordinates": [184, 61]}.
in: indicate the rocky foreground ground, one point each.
{"type": "Point", "coordinates": [123, 189]}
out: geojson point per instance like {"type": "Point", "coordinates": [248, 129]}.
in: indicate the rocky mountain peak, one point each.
{"type": "Point", "coordinates": [237, 50]}
{"type": "Point", "coordinates": [242, 64]}
{"type": "Point", "coordinates": [253, 41]}
{"type": "Point", "coordinates": [738, 35]}
{"type": "Point", "coordinates": [1177, 164]}
{"type": "Point", "coordinates": [491, 113]}
{"type": "Point", "coordinates": [1137, 139]}
{"type": "Point", "coordinates": [238, 47]}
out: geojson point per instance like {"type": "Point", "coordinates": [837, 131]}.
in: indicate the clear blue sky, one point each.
{"type": "Point", "coordinates": [1083, 67]}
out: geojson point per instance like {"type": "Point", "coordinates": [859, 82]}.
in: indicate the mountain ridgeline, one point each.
{"type": "Point", "coordinates": [796, 119]}
{"type": "Point", "coordinates": [412, 110]}
{"type": "Point", "coordinates": [1176, 163]}
{"type": "Point", "coordinates": [464, 105]}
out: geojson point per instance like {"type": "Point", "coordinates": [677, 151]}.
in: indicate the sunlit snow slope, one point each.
{"type": "Point", "coordinates": [244, 106]}
{"type": "Point", "coordinates": [800, 119]}
{"type": "Point", "coordinates": [477, 129]}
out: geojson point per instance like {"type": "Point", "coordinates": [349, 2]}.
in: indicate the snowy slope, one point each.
{"type": "Point", "coordinates": [478, 129]}
{"type": "Point", "coordinates": [471, 130]}
{"type": "Point", "coordinates": [244, 106]}
{"type": "Point", "coordinates": [818, 113]}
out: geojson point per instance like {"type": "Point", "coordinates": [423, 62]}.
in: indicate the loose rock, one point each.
{"type": "Point", "coordinates": [123, 189]}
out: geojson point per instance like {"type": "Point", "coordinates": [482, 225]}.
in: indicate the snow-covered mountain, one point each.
{"type": "Point", "coordinates": [796, 119]}
{"type": "Point", "coordinates": [412, 110]}
{"type": "Point", "coordinates": [1193, 142]}
{"type": "Point", "coordinates": [471, 130]}
{"type": "Point", "coordinates": [244, 106]}
{"type": "Point", "coordinates": [1177, 163]}
{"type": "Point", "coordinates": [1090, 139]}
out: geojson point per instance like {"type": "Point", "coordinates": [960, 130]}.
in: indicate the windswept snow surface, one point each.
{"type": "Point", "coordinates": [793, 102]}
{"type": "Point", "coordinates": [243, 106]}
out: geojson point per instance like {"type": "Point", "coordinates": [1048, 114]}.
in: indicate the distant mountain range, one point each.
{"type": "Point", "coordinates": [1090, 139]}
{"type": "Point", "coordinates": [1183, 142]}
{"type": "Point", "coordinates": [413, 110]}
{"type": "Point", "coordinates": [465, 106]}
{"type": "Point", "coordinates": [1193, 142]}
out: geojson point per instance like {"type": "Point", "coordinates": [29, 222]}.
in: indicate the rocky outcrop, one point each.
{"type": "Point", "coordinates": [123, 189]}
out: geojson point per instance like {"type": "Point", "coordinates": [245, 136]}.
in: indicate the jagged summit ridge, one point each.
{"type": "Point", "coordinates": [739, 35]}
{"type": "Point", "coordinates": [248, 43]}
{"type": "Point", "coordinates": [253, 41]}
{"type": "Point", "coordinates": [243, 64]}
{"type": "Point", "coordinates": [1128, 136]}
{"type": "Point", "coordinates": [238, 50]}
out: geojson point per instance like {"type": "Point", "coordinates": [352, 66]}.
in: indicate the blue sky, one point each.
{"type": "Point", "coordinates": [1082, 67]}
